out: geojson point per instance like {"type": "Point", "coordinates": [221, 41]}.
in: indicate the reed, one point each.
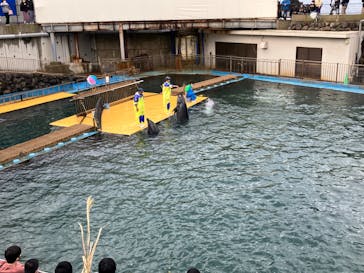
{"type": "Point", "coordinates": [88, 247]}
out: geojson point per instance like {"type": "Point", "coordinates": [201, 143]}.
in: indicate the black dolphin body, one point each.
{"type": "Point", "coordinates": [153, 129]}
{"type": "Point", "coordinates": [99, 108]}
{"type": "Point", "coordinates": [181, 111]}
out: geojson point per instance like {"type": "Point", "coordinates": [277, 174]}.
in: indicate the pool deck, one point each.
{"type": "Point", "coordinates": [36, 144]}
{"type": "Point", "coordinates": [14, 106]}
{"type": "Point", "coordinates": [30, 102]}
{"type": "Point", "coordinates": [120, 117]}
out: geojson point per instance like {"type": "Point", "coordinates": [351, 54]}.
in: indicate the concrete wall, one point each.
{"type": "Point", "coordinates": [339, 47]}
{"type": "Point", "coordinates": [20, 54]}
{"type": "Point", "coordinates": [146, 10]}
{"type": "Point", "coordinates": [147, 44]}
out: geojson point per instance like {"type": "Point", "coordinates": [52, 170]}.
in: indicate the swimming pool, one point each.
{"type": "Point", "coordinates": [269, 181]}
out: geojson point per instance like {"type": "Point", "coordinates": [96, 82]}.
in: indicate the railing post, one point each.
{"type": "Point", "coordinates": [210, 60]}
{"type": "Point", "coordinates": [231, 64]}
{"type": "Point", "coordinates": [279, 67]}
{"type": "Point", "coordinates": [303, 68]}
{"type": "Point", "coordinates": [337, 71]}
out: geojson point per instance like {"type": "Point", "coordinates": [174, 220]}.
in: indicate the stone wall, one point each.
{"type": "Point", "coordinates": [324, 26]}
{"type": "Point", "coordinates": [14, 82]}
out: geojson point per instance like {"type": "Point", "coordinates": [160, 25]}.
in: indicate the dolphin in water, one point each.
{"type": "Point", "coordinates": [98, 113]}
{"type": "Point", "coordinates": [153, 129]}
{"type": "Point", "coordinates": [181, 111]}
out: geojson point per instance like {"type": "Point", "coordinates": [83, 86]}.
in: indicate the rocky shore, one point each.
{"type": "Point", "coordinates": [16, 82]}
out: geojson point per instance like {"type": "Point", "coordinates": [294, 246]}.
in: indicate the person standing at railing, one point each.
{"type": "Point", "coordinates": [318, 6]}
{"type": "Point", "coordinates": [30, 10]}
{"type": "Point", "coordinates": [285, 6]}
{"type": "Point", "coordinates": [335, 7]}
{"type": "Point", "coordinates": [6, 10]}
{"type": "Point", "coordinates": [24, 8]}
{"type": "Point", "coordinates": [344, 6]}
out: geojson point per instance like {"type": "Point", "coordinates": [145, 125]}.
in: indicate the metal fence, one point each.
{"type": "Point", "coordinates": [303, 69]}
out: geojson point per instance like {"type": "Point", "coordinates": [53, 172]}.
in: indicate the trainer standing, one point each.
{"type": "Point", "coordinates": [166, 92]}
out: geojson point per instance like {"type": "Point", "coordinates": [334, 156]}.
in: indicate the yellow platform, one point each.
{"type": "Point", "coordinates": [120, 118]}
{"type": "Point", "coordinates": [4, 108]}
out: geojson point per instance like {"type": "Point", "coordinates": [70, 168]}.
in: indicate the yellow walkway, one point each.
{"type": "Point", "coordinates": [120, 118]}
{"type": "Point", "coordinates": [4, 108]}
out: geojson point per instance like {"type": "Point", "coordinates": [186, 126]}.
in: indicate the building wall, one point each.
{"type": "Point", "coordinates": [340, 49]}
{"type": "Point", "coordinates": [147, 44]}
{"type": "Point", "coordinates": [68, 11]}
{"type": "Point", "coordinates": [20, 54]}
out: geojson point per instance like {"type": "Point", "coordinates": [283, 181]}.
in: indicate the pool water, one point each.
{"type": "Point", "coordinates": [270, 180]}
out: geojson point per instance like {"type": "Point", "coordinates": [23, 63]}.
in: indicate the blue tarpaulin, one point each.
{"type": "Point", "coordinates": [12, 6]}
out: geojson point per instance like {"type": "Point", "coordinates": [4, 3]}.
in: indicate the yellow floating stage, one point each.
{"type": "Point", "coordinates": [13, 106]}
{"type": "Point", "coordinates": [120, 117]}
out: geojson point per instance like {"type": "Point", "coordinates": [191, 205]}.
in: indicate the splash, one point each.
{"type": "Point", "coordinates": [209, 106]}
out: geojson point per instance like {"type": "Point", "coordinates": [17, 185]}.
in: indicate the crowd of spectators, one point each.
{"type": "Point", "coordinates": [12, 264]}
{"type": "Point", "coordinates": [288, 7]}
{"type": "Point", "coordinates": [26, 7]}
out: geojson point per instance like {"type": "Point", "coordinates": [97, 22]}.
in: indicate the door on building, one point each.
{"type": "Point", "coordinates": [308, 62]}
{"type": "Point", "coordinates": [229, 57]}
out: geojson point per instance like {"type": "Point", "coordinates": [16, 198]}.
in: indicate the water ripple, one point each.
{"type": "Point", "coordinates": [269, 181]}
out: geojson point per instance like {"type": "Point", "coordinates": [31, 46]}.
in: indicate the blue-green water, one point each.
{"type": "Point", "coordinates": [270, 181]}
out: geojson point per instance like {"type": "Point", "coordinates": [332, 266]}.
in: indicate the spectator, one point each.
{"type": "Point", "coordinates": [362, 9]}
{"type": "Point", "coordinates": [335, 6]}
{"type": "Point", "coordinates": [31, 266]}
{"type": "Point", "coordinates": [286, 7]}
{"type": "Point", "coordinates": [6, 10]}
{"type": "Point", "coordinates": [12, 264]}
{"type": "Point", "coordinates": [30, 10]}
{"type": "Point", "coordinates": [107, 265]}
{"type": "Point", "coordinates": [318, 5]}
{"type": "Point", "coordinates": [63, 267]}
{"type": "Point", "coordinates": [312, 6]}
{"type": "Point", "coordinates": [24, 8]}
{"type": "Point", "coordinates": [193, 270]}
{"type": "Point", "coordinates": [344, 6]}
{"type": "Point", "coordinates": [279, 9]}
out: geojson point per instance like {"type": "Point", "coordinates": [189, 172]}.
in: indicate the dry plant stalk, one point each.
{"type": "Point", "coordinates": [88, 247]}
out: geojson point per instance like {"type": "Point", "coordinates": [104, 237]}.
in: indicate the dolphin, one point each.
{"type": "Point", "coordinates": [181, 111]}
{"type": "Point", "coordinates": [98, 113]}
{"type": "Point", "coordinates": [153, 129]}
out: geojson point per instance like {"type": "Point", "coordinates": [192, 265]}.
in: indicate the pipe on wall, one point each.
{"type": "Point", "coordinates": [24, 35]}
